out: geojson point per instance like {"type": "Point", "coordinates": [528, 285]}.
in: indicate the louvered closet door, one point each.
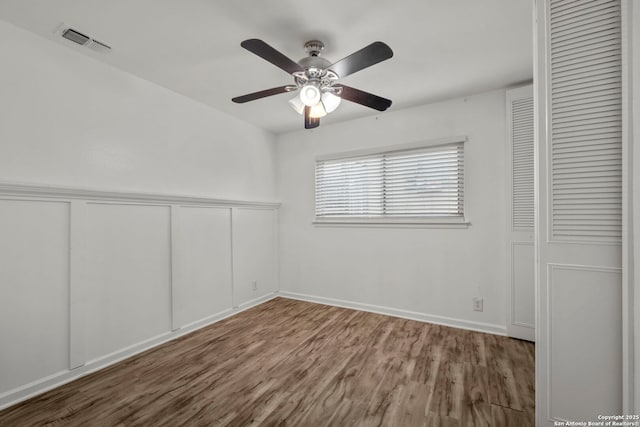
{"type": "Point", "coordinates": [579, 80]}
{"type": "Point", "coordinates": [521, 211]}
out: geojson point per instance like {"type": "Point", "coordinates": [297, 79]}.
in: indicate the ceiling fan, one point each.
{"type": "Point", "coordinates": [317, 78]}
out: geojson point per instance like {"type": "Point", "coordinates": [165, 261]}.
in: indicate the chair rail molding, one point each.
{"type": "Point", "coordinates": [23, 190]}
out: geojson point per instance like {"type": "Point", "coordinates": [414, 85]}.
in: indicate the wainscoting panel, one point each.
{"type": "Point", "coordinates": [522, 285]}
{"type": "Point", "coordinates": [585, 347]}
{"type": "Point", "coordinates": [91, 277]}
{"type": "Point", "coordinates": [34, 291]}
{"type": "Point", "coordinates": [254, 254]}
{"type": "Point", "coordinates": [201, 263]}
{"type": "Point", "coordinates": [128, 273]}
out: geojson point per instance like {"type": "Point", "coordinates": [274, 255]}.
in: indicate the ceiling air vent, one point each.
{"type": "Point", "coordinates": [82, 39]}
{"type": "Point", "coordinates": [75, 36]}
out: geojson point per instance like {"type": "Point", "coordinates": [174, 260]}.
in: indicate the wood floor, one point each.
{"type": "Point", "coordinates": [294, 363]}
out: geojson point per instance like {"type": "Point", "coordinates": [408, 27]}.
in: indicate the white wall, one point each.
{"type": "Point", "coordinates": [90, 277]}
{"type": "Point", "coordinates": [69, 120]}
{"type": "Point", "coordinates": [435, 272]}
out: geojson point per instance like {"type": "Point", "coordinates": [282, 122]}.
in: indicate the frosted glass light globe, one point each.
{"type": "Point", "coordinates": [297, 105]}
{"type": "Point", "coordinates": [317, 111]}
{"type": "Point", "coordinates": [330, 101]}
{"type": "Point", "coordinates": [310, 95]}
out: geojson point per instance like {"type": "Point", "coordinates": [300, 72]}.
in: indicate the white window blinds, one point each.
{"type": "Point", "coordinates": [424, 182]}
{"type": "Point", "coordinates": [586, 120]}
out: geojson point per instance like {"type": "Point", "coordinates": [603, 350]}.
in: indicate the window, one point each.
{"type": "Point", "coordinates": [416, 184]}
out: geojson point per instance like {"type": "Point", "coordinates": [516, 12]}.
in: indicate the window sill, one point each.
{"type": "Point", "coordinates": [392, 222]}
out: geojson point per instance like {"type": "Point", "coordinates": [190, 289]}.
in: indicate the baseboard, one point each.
{"type": "Point", "coordinates": [42, 385]}
{"type": "Point", "coordinates": [258, 300]}
{"type": "Point", "coordinates": [405, 314]}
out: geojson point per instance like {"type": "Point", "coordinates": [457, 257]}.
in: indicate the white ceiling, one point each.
{"type": "Point", "coordinates": [442, 48]}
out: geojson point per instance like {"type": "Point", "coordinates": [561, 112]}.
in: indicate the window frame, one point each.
{"type": "Point", "coordinates": [390, 221]}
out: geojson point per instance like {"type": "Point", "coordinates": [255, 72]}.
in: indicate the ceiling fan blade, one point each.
{"type": "Point", "coordinates": [262, 94]}
{"type": "Point", "coordinates": [268, 53]}
{"type": "Point", "coordinates": [310, 122]}
{"type": "Point", "coordinates": [365, 57]}
{"type": "Point", "coordinates": [364, 98]}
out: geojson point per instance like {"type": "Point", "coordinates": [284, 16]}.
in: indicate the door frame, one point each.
{"type": "Point", "coordinates": [630, 206]}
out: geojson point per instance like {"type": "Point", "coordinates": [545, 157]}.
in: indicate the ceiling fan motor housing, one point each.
{"type": "Point", "coordinates": [316, 68]}
{"type": "Point", "coordinates": [314, 62]}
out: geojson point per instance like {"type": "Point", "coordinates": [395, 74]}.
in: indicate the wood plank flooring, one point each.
{"type": "Point", "coordinates": [288, 362]}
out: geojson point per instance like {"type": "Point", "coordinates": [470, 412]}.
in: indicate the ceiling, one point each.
{"type": "Point", "coordinates": [442, 48]}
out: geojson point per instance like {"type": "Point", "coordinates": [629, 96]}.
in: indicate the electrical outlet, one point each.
{"type": "Point", "coordinates": [478, 304]}
{"type": "Point", "coordinates": [255, 285]}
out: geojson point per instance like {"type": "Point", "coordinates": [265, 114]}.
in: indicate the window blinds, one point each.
{"type": "Point", "coordinates": [522, 164]}
{"type": "Point", "coordinates": [425, 182]}
{"type": "Point", "coordinates": [586, 120]}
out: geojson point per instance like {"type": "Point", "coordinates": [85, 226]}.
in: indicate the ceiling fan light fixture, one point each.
{"type": "Point", "coordinates": [297, 105]}
{"type": "Point", "coordinates": [310, 94]}
{"type": "Point", "coordinates": [317, 111]}
{"type": "Point", "coordinates": [315, 76]}
{"type": "Point", "coordinates": [330, 101]}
